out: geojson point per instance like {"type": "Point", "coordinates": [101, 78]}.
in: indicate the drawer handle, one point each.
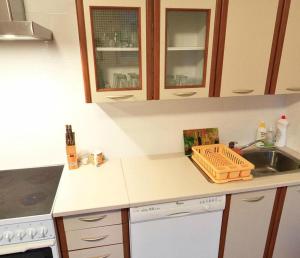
{"type": "Point", "coordinates": [255, 199]}
{"type": "Point", "coordinates": [293, 89]}
{"type": "Point", "coordinates": [94, 239]}
{"type": "Point", "coordinates": [102, 256]}
{"type": "Point", "coordinates": [120, 97]}
{"type": "Point", "coordinates": [242, 91]}
{"type": "Point", "coordinates": [185, 94]}
{"type": "Point", "coordinates": [92, 219]}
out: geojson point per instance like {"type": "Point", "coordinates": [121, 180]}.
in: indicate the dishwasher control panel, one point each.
{"type": "Point", "coordinates": [178, 208]}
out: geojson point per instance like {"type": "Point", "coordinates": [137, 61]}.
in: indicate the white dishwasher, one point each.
{"type": "Point", "coordinates": [182, 229]}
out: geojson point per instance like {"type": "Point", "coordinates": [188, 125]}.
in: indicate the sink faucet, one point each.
{"type": "Point", "coordinates": [250, 144]}
{"type": "Point", "coordinates": [232, 144]}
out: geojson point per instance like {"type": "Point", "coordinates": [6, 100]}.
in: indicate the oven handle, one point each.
{"type": "Point", "coordinates": [23, 247]}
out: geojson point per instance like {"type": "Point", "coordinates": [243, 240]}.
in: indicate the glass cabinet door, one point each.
{"type": "Point", "coordinates": [116, 43]}
{"type": "Point", "coordinates": [114, 49]}
{"type": "Point", "coordinates": [186, 47]}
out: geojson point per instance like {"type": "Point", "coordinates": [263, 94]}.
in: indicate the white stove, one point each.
{"type": "Point", "coordinates": [26, 225]}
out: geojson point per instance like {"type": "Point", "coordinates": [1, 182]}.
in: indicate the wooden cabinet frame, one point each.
{"type": "Point", "coordinates": [275, 220]}
{"type": "Point", "coordinates": [83, 50]}
{"type": "Point", "coordinates": [279, 47]}
{"type": "Point", "coordinates": [281, 21]}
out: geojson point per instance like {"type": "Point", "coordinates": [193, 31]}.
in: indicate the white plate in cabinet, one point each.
{"type": "Point", "coordinates": [92, 237]}
{"type": "Point", "coordinates": [111, 251]}
{"type": "Point", "coordinates": [92, 220]}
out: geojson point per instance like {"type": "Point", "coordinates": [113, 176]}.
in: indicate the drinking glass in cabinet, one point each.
{"type": "Point", "coordinates": [116, 41]}
{"type": "Point", "coordinates": [123, 81]}
{"type": "Point", "coordinates": [186, 47]}
{"type": "Point", "coordinates": [133, 79]}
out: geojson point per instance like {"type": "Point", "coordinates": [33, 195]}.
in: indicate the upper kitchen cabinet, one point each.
{"type": "Point", "coordinates": [112, 36]}
{"type": "Point", "coordinates": [286, 75]}
{"type": "Point", "coordinates": [185, 42]}
{"type": "Point", "coordinates": [247, 46]}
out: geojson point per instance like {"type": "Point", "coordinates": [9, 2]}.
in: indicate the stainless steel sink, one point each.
{"type": "Point", "coordinates": [270, 162]}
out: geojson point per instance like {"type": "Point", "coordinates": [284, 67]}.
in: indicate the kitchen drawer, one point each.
{"type": "Point", "coordinates": [92, 237]}
{"type": "Point", "coordinates": [92, 220]}
{"type": "Point", "coordinates": [111, 251]}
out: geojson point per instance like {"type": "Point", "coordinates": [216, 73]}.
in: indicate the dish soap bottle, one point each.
{"type": "Point", "coordinates": [270, 137]}
{"type": "Point", "coordinates": [261, 134]}
{"type": "Point", "coordinates": [281, 130]}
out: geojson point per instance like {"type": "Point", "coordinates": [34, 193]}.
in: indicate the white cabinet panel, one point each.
{"type": "Point", "coordinates": [248, 224]}
{"type": "Point", "coordinates": [287, 243]}
{"type": "Point", "coordinates": [248, 43]}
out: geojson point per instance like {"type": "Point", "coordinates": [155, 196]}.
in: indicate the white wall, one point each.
{"type": "Point", "coordinates": [293, 113]}
{"type": "Point", "coordinates": [41, 89]}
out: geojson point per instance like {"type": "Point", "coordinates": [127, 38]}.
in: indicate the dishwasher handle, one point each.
{"type": "Point", "coordinates": [178, 214]}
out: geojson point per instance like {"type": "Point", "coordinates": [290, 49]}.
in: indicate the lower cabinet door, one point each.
{"type": "Point", "coordinates": [111, 251]}
{"type": "Point", "coordinates": [287, 243]}
{"type": "Point", "coordinates": [248, 224]}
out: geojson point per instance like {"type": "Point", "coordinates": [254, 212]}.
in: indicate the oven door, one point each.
{"type": "Point", "coordinates": [38, 249]}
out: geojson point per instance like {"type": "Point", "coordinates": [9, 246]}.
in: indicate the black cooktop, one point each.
{"type": "Point", "coordinates": [28, 192]}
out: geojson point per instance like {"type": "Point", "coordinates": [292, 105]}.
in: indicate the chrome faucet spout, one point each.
{"type": "Point", "coordinates": [250, 144]}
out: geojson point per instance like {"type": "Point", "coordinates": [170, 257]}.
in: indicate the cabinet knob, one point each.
{"type": "Point", "coordinates": [20, 234]}
{"type": "Point", "coordinates": [31, 232]}
{"type": "Point", "coordinates": [8, 235]}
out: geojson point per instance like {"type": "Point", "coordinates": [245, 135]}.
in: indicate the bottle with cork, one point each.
{"type": "Point", "coordinates": [71, 148]}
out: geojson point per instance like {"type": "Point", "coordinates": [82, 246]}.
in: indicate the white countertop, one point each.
{"type": "Point", "coordinates": [138, 181]}
{"type": "Point", "coordinates": [162, 178]}
{"type": "Point", "coordinates": [91, 189]}
{"type": "Point", "coordinates": [165, 178]}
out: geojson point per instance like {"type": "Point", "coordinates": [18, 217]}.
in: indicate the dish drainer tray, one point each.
{"type": "Point", "coordinates": [221, 164]}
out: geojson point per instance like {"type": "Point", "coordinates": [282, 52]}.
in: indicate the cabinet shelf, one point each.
{"type": "Point", "coordinates": [117, 49]}
{"type": "Point", "coordinates": [185, 48]}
